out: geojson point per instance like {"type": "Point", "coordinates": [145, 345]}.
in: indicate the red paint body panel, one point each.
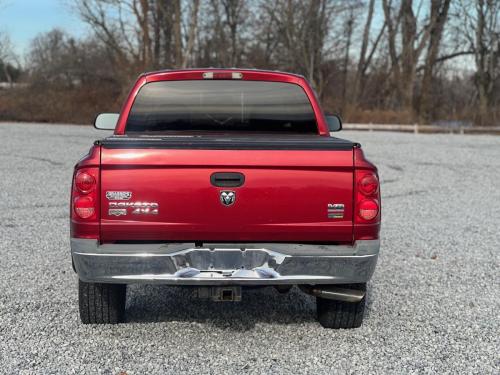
{"type": "Point", "coordinates": [284, 198]}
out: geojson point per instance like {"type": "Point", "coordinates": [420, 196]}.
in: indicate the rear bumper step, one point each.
{"type": "Point", "coordinates": [225, 264]}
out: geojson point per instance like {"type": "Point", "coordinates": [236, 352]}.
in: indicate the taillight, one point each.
{"type": "Point", "coordinates": [85, 203]}
{"type": "Point", "coordinates": [367, 204]}
{"type": "Point", "coordinates": [367, 197]}
{"type": "Point", "coordinates": [368, 209]}
{"type": "Point", "coordinates": [84, 182]}
{"type": "Point", "coordinates": [368, 184]}
{"type": "Point", "coordinates": [84, 207]}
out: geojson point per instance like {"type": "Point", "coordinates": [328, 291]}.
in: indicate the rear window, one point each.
{"type": "Point", "coordinates": [224, 105]}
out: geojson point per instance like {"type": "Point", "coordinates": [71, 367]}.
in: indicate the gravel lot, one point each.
{"type": "Point", "coordinates": [433, 303]}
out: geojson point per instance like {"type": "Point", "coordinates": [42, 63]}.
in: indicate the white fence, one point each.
{"type": "Point", "coordinates": [7, 85]}
{"type": "Point", "coordinates": [416, 128]}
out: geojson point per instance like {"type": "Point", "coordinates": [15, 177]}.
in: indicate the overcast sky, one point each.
{"type": "Point", "coordinates": [24, 19]}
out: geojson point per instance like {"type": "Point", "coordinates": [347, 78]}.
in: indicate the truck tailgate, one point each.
{"type": "Point", "coordinates": [162, 191]}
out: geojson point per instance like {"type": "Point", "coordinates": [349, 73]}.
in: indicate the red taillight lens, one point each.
{"type": "Point", "coordinates": [84, 182]}
{"type": "Point", "coordinates": [367, 197]}
{"type": "Point", "coordinates": [368, 209]}
{"type": "Point", "coordinates": [84, 207]}
{"type": "Point", "coordinates": [368, 185]}
{"type": "Point", "coordinates": [367, 203]}
{"type": "Point", "coordinates": [85, 203]}
{"type": "Point", "coordinates": [84, 196]}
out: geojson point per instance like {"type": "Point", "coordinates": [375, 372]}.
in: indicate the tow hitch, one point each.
{"type": "Point", "coordinates": [220, 294]}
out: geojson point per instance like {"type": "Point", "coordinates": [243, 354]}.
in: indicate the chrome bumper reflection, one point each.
{"type": "Point", "coordinates": [225, 264]}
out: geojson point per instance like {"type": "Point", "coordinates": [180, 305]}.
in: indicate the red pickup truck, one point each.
{"type": "Point", "coordinates": [221, 179]}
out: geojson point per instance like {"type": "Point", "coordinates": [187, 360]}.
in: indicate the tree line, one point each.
{"type": "Point", "coordinates": [400, 61]}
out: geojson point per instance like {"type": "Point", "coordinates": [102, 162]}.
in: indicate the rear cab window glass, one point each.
{"type": "Point", "coordinates": [221, 106]}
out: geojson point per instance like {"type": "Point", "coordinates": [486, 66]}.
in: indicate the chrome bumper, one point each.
{"type": "Point", "coordinates": [225, 264]}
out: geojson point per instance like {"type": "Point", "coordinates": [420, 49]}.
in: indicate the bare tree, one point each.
{"type": "Point", "coordinates": [402, 22]}
{"type": "Point", "coordinates": [417, 33]}
{"type": "Point", "coordinates": [302, 30]}
{"type": "Point", "coordinates": [141, 10]}
{"type": "Point", "coordinates": [224, 25]}
{"type": "Point", "coordinates": [365, 55]}
{"type": "Point", "coordinates": [351, 11]}
{"type": "Point", "coordinates": [395, 59]}
{"type": "Point", "coordinates": [233, 18]}
{"type": "Point", "coordinates": [191, 34]}
{"type": "Point", "coordinates": [144, 34]}
{"type": "Point", "coordinates": [480, 28]}
{"type": "Point", "coordinates": [348, 31]}
{"type": "Point", "coordinates": [7, 56]}
{"type": "Point", "coordinates": [475, 27]}
{"type": "Point", "coordinates": [108, 20]}
{"type": "Point", "coordinates": [55, 58]}
{"type": "Point", "coordinates": [177, 32]}
{"type": "Point", "coordinates": [439, 14]}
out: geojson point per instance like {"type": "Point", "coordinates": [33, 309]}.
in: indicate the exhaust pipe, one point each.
{"type": "Point", "coordinates": [334, 292]}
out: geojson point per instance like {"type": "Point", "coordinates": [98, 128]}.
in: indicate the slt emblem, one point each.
{"type": "Point", "coordinates": [227, 197]}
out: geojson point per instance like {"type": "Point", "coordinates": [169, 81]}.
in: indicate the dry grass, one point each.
{"type": "Point", "coordinates": [58, 104]}
{"type": "Point", "coordinates": [79, 105]}
{"type": "Point", "coordinates": [377, 116]}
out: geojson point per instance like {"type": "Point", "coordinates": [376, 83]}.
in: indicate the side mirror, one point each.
{"type": "Point", "coordinates": [334, 123]}
{"type": "Point", "coordinates": [106, 121]}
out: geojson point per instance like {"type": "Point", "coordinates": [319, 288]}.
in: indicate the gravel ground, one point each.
{"type": "Point", "coordinates": [433, 302]}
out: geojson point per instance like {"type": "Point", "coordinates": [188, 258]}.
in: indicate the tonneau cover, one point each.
{"type": "Point", "coordinates": [228, 142]}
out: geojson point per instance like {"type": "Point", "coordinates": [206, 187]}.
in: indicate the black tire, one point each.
{"type": "Point", "coordinates": [101, 303]}
{"type": "Point", "coordinates": [339, 314]}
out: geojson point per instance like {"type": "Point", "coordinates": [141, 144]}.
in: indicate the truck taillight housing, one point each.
{"type": "Point", "coordinates": [85, 203]}
{"type": "Point", "coordinates": [84, 182]}
{"type": "Point", "coordinates": [367, 207]}
{"type": "Point", "coordinates": [84, 207]}
{"type": "Point", "coordinates": [368, 184]}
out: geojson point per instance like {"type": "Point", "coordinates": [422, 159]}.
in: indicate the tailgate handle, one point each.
{"type": "Point", "coordinates": [227, 179]}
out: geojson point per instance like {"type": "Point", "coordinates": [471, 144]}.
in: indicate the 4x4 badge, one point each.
{"type": "Point", "coordinates": [227, 197]}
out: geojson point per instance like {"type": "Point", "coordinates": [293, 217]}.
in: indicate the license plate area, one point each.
{"type": "Point", "coordinates": [220, 294]}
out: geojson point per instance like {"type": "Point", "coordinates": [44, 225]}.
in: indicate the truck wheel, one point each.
{"type": "Point", "coordinates": [339, 314]}
{"type": "Point", "coordinates": [101, 303]}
